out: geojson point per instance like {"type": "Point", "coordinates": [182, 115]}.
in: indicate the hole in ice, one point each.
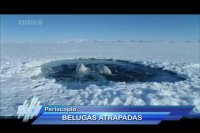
{"type": "Point", "coordinates": [79, 73]}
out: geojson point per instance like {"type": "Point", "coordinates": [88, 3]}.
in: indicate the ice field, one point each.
{"type": "Point", "coordinates": [22, 75]}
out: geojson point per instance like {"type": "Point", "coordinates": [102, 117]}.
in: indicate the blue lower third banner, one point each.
{"type": "Point", "coordinates": [110, 114]}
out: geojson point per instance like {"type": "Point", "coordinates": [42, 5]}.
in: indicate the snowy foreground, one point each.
{"type": "Point", "coordinates": [21, 67]}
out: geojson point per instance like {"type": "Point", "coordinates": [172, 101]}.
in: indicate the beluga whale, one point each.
{"type": "Point", "coordinates": [102, 69]}
{"type": "Point", "coordinates": [82, 69]}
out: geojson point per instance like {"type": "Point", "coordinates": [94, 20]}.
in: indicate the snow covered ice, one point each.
{"type": "Point", "coordinates": [22, 75]}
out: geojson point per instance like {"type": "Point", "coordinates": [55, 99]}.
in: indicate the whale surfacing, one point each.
{"type": "Point", "coordinates": [81, 68]}
{"type": "Point", "coordinates": [99, 69]}
{"type": "Point", "coordinates": [102, 69]}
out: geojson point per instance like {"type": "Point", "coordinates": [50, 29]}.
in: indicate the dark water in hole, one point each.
{"type": "Point", "coordinates": [64, 72]}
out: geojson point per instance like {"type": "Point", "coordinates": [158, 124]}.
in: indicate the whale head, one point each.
{"type": "Point", "coordinates": [102, 69]}
{"type": "Point", "coordinates": [81, 68]}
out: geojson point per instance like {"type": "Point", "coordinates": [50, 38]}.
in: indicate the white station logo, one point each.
{"type": "Point", "coordinates": [28, 111]}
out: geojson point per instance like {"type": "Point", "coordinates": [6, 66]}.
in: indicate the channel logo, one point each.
{"type": "Point", "coordinates": [29, 110]}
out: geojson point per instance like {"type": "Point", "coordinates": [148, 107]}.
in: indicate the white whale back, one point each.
{"type": "Point", "coordinates": [81, 68]}
{"type": "Point", "coordinates": [102, 69]}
